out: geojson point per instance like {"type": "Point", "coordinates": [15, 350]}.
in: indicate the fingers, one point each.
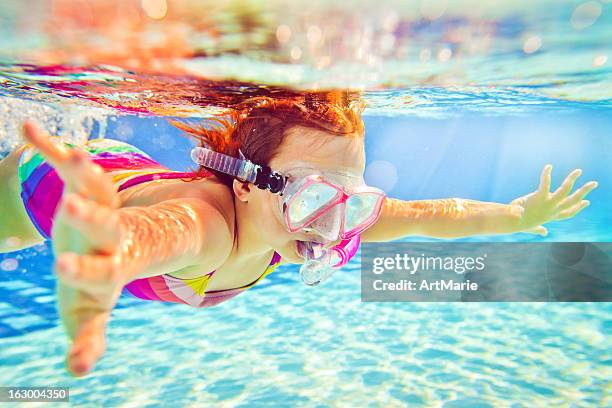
{"type": "Point", "coordinates": [572, 211]}
{"type": "Point", "coordinates": [578, 195]}
{"type": "Point", "coordinates": [92, 182]}
{"type": "Point", "coordinates": [89, 344]}
{"type": "Point", "coordinates": [545, 179]}
{"type": "Point", "coordinates": [98, 224]}
{"type": "Point", "coordinates": [566, 186]}
{"type": "Point", "coordinates": [91, 273]}
{"type": "Point", "coordinates": [539, 230]}
{"type": "Point", "coordinates": [56, 154]}
{"type": "Point", "coordinates": [78, 173]}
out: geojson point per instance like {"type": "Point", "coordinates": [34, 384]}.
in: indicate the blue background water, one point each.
{"type": "Point", "coordinates": [282, 343]}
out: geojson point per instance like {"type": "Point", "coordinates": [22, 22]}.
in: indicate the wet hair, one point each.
{"type": "Point", "coordinates": [257, 126]}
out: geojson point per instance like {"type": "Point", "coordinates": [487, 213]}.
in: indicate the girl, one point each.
{"type": "Point", "coordinates": [281, 181]}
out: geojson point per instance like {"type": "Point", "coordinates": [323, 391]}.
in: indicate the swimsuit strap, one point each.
{"type": "Point", "coordinates": [150, 176]}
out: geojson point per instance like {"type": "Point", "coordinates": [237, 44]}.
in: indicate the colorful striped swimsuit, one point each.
{"type": "Point", "coordinates": [41, 190]}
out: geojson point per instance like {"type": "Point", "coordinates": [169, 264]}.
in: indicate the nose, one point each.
{"type": "Point", "coordinates": [307, 236]}
{"type": "Point", "coordinates": [326, 228]}
{"type": "Point", "coordinates": [332, 244]}
{"type": "Point", "coordinates": [314, 237]}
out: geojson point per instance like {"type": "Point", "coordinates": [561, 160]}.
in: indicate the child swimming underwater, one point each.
{"type": "Point", "coordinates": [280, 182]}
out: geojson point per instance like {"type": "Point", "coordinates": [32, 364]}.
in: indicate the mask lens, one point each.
{"type": "Point", "coordinates": [360, 209]}
{"type": "Point", "coordinates": [307, 202]}
{"type": "Point", "coordinates": [329, 224]}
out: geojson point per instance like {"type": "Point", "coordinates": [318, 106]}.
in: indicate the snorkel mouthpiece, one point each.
{"type": "Point", "coordinates": [314, 272]}
{"type": "Point", "coordinates": [320, 262]}
{"type": "Point", "coordinates": [317, 263]}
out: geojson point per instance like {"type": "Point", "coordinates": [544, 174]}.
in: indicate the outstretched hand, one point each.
{"type": "Point", "coordinates": [86, 241]}
{"type": "Point", "coordinates": [542, 206]}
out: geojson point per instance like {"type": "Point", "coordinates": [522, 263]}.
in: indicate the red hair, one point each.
{"type": "Point", "coordinates": [258, 125]}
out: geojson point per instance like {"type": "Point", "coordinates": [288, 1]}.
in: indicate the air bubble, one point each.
{"type": "Point", "coordinates": [9, 264]}
{"type": "Point", "coordinates": [40, 247]}
{"type": "Point", "coordinates": [381, 174]}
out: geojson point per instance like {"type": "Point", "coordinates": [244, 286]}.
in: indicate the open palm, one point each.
{"type": "Point", "coordinates": [543, 206]}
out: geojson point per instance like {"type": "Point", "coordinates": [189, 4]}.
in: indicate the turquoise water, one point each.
{"type": "Point", "coordinates": [464, 99]}
{"type": "Point", "coordinates": [286, 344]}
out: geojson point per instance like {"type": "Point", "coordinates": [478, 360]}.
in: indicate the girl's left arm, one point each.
{"type": "Point", "coordinates": [455, 217]}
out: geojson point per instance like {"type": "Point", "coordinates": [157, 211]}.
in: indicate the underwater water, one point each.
{"type": "Point", "coordinates": [284, 343]}
{"type": "Point", "coordinates": [463, 99]}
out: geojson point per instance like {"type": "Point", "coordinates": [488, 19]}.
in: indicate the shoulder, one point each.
{"type": "Point", "coordinates": [208, 201]}
{"type": "Point", "coordinates": [219, 199]}
{"type": "Point", "coordinates": [211, 191]}
{"type": "Point", "coordinates": [208, 189]}
{"type": "Point", "coordinates": [211, 204]}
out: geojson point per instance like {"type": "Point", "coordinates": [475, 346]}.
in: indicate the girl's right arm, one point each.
{"type": "Point", "coordinates": [100, 247]}
{"type": "Point", "coordinates": [145, 240]}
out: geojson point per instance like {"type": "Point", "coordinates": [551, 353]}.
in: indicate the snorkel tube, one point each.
{"type": "Point", "coordinates": [320, 263]}
{"type": "Point", "coordinates": [243, 169]}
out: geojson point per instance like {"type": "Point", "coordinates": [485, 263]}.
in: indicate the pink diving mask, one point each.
{"type": "Point", "coordinates": [331, 205]}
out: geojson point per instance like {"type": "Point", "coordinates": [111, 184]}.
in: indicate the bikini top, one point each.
{"type": "Point", "coordinates": [167, 288]}
{"type": "Point", "coordinates": [138, 168]}
{"type": "Point", "coordinates": [191, 291]}
{"type": "Point", "coordinates": [41, 191]}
